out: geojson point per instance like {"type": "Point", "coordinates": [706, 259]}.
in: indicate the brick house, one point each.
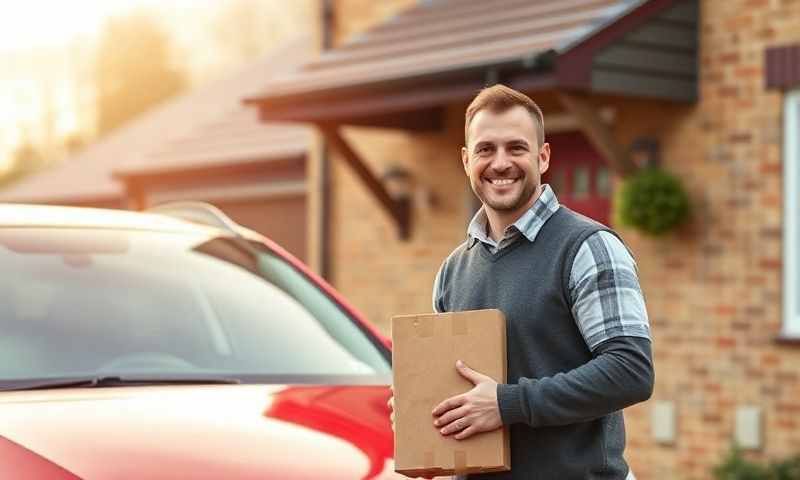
{"type": "Point", "coordinates": [204, 145]}
{"type": "Point", "coordinates": [714, 84]}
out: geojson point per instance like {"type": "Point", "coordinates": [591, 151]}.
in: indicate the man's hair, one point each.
{"type": "Point", "coordinates": [500, 98]}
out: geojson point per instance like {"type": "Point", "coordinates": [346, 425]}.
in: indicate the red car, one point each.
{"type": "Point", "coordinates": [177, 344]}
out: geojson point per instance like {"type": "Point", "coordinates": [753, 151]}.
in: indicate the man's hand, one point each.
{"type": "Point", "coordinates": [472, 412]}
{"type": "Point", "coordinates": [390, 403]}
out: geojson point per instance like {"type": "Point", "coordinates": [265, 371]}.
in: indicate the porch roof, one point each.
{"type": "Point", "coordinates": [442, 51]}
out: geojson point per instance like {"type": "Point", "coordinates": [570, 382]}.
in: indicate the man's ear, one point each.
{"type": "Point", "coordinates": [465, 159]}
{"type": "Point", "coordinates": [544, 158]}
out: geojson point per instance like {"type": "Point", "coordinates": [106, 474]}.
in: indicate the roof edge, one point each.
{"type": "Point", "coordinates": [218, 168]}
{"type": "Point", "coordinates": [436, 77]}
{"type": "Point", "coordinates": [573, 63]}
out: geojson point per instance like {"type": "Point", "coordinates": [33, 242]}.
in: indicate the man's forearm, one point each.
{"type": "Point", "coordinates": [620, 375]}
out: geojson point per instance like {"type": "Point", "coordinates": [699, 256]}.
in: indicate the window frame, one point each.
{"type": "Point", "coordinates": [791, 214]}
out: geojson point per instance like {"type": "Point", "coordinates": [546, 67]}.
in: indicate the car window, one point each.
{"type": "Point", "coordinates": [79, 302]}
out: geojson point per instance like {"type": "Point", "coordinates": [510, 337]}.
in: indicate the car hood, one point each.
{"type": "Point", "coordinates": [205, 432]}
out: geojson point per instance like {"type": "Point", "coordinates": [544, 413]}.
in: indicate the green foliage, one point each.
{"type": "Point", "coordinates": [652, 201]}
{"type": "Point", "coordinates": [788, 469]}
{"type": "Point", "coordinates": [736, 467]}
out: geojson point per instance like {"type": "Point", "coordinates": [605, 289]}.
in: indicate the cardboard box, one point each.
{"type": "Point", "coordinates": [424, 353]}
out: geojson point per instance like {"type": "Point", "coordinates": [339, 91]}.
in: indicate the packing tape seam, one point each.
{"type": "Point", "coordinates": [460, 461]}
{"type": "Point", "coordinates": [428, 459]}
{"type": "Point", "coordinates": [459, 327]}
{"type": "Point", "coordinates": [423, 328]}
{"type": "Point", "coordinates": [426, 328]}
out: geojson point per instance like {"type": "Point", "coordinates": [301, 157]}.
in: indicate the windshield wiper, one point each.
{"type": "Point", "coordinates": [117, 381]}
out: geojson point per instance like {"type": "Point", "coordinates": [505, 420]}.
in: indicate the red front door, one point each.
{"type": "Point", "coordinates": [579, 175]}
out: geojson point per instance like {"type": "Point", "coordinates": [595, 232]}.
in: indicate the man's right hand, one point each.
{"type": "Point", "coordinates": [390, 403]}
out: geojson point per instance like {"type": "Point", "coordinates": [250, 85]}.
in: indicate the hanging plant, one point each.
{"type": "Point", "coordinates": [736, 467]}
{"type": "Point", "coordinates": [652, 201]}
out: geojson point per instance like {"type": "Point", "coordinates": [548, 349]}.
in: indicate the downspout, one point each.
{"type": "Point", "coordinates": [327, 19]}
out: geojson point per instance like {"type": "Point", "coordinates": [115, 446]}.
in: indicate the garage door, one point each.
{"type": "Point", "coordinates": [283, 219]}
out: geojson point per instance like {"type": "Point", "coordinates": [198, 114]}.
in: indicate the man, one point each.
{"type": "Point", "coordinates": [578, 339]}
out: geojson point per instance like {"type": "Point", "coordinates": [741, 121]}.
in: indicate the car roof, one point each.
{"type": "Point", "coordinates": [49, 216]}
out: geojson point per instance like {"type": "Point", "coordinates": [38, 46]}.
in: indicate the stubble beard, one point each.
{"type": "Point", "coordinates": [511, 204]}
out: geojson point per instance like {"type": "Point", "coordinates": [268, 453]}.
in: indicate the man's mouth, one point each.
{"type": "Point", "coordinates": [501, 182]}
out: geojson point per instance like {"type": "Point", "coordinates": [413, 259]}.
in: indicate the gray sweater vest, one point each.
{"type": "Point", "coordinates": [529, 282]}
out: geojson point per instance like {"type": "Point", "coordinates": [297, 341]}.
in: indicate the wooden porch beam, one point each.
{"type": "Point", "coordinates": [399, 209]}
{"type": "Point", "coordinates": [135, 195]}
{"type": "Point", "coordinates": [361, 112]}
{"type": "Point", "coordinates": [598, 132]}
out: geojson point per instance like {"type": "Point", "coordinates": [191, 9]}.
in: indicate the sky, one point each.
{"type": "Point", "coordinates": [32, 24]}
{"type": "Point", "coordinates": [46, 45]}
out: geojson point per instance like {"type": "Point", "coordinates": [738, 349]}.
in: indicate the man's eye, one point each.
{"type": "Point", "coordinates": [483, 150]}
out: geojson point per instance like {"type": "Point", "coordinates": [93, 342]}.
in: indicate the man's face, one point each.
{"type": "Point", "coordinates": [503, 161]}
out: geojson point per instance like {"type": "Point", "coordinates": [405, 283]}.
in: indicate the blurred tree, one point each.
{"type": "Point", "coordinates": [80, 55]}
{"type": "Point", "coordinates": [74, 143]}
{"type": "Point", "coordinates": [246, 29]}
{"type": "Point", "coordinates": [239, 29]}
{"type": "Point", "coordinates": [26, 159]}
{"type": "Point", "coordinates": [49, 113]}
{"type": "Point", "coordinates": [133, 70]}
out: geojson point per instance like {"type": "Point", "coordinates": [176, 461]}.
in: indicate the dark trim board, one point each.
{"type": "Point", "coordinates": [782, 67]}
{"type": "Point", "coordinates": [650, 53]}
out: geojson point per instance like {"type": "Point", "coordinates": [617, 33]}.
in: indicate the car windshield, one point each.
{"type": "Point", "coordinates": [89, 302]}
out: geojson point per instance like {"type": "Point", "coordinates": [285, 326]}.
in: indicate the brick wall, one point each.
{"type": "Point", "coordinates": [714, 288]}
{"type": "Point", "coordinates": [380, 274]}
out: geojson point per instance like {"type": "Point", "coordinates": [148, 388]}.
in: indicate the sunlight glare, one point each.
{"type": "Point", "coordinates": [43, 23]}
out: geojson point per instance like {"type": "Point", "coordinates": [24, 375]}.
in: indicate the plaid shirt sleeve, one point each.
{"type": "Point", "coordinates": [607, 300]}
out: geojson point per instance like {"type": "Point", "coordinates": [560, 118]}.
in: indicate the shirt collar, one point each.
{"type": "Point", "coordinates": [529, 224]}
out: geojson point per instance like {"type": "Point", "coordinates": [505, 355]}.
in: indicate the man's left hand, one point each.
{"type": "Point", "coordinates": [472, 412]}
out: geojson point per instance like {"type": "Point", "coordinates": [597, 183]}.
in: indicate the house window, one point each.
{"type": "Point", "coordinates": [580, 187]}
{"type": "Point", "coordinates": [791, 215]}
{"type": "Point", "coordinates": [558, 182]}
{"type": "Point", "coordinates": [603, 182]}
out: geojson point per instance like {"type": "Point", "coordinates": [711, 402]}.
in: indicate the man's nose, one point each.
{"type": "Point", "coordinates": [501, 161]}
